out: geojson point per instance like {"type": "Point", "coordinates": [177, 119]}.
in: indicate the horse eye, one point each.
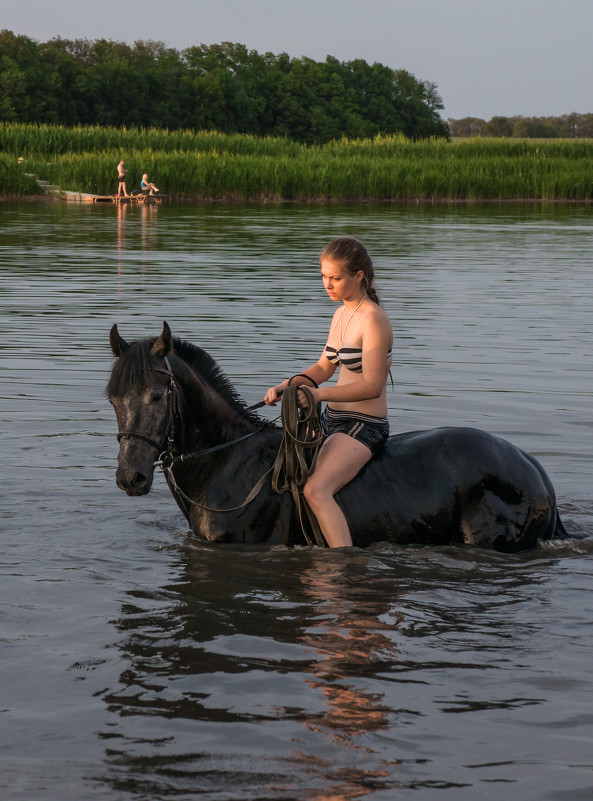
{"type": "Point", "coordinates": [157, 397]}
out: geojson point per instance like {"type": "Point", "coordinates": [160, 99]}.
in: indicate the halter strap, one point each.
{"type": "Point", "coordinates": [172, 413]}
{"type": "Point", "coordinates": [130, 432]}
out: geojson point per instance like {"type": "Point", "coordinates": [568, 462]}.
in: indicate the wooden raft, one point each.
{"type": "Point", "coordinates": [123, 199]}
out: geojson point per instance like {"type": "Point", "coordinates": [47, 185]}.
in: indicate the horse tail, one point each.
{"type": "Point", "coordinates": [560, 533]}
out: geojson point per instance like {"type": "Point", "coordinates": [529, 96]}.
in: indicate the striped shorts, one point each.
{"type": "Point", "coordinates": [371, 431]}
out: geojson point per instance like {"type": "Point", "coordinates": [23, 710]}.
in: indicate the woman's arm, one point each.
{"type": "Point", "coordinates": [319, 372]}
{"type": "Point", "coordinates": [376, 344]}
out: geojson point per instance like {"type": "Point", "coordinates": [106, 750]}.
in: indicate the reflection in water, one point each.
{"type": "Point", "coordinates": [149, 217]}
{"type": "Point", "coordinates": [122, 211]}
{"type": "Point", "coordinates": [146, 214]}
{"type": "Point", "coordinates": [201, 651]}
{"type": "Point", "coordinates": [309, 656]}
{"type": "Point", "coordinates": [350, 640]}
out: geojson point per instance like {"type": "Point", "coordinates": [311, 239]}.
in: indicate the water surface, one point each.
{"type": "Point", "coordinates": [141, 664]}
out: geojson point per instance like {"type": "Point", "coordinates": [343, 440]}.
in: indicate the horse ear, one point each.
{"type": "Point", "coordinates": [162, 346]}
{"type": "Point", "coordinates": [118, 344]}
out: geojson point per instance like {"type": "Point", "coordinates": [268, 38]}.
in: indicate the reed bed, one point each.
{"type": "Point", "coordinates": [209, 165]}
{"type": "Point", "coordinates": [14, 182]}
{"type": "Point", "coordinates": [50, 141]}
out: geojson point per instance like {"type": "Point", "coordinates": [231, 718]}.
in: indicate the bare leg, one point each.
{"type": "Point", "coordinates": [340, 460]}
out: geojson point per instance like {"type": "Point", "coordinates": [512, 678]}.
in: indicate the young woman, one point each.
{"type": "Point", "coordinates": [354, 421]}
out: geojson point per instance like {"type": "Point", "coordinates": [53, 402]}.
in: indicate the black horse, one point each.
{"type": "Point", "coordinates": [445, 485]}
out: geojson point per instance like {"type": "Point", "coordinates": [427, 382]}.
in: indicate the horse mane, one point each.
{"type": "Point", "coordinates": [132, 368]}
{"type": "Point", "coordinates": [209, 371]}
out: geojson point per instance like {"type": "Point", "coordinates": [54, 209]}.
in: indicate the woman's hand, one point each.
{"type": "Point", "coordinates": [302, 401]}
{"type": "Point", "coordinates": [273, 395]}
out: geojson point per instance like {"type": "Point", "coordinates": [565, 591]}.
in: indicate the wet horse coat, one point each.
{"type": "Point", "coordinates": [438, 486]}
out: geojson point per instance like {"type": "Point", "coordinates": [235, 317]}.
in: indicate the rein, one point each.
{"type": "Point", "coordinates": [296, 457]}
{"type": "Point", "coordinates": [166, 459]}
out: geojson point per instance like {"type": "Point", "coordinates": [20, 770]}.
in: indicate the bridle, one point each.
{"type": "Point", "coordinates": [166, 459]}
{"type": "Point", "coordinates": [172, 413]}
{"type": "Point", "coordinates": [289, 462]}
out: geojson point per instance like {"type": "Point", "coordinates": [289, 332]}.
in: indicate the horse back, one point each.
{"type": "Point", "coordinates": [451, 485]}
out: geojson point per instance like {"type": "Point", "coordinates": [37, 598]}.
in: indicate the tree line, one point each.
{"type": "Point", "coordinates": [223, 87]}
{"type": "Point", "coordinates": [568, 126]}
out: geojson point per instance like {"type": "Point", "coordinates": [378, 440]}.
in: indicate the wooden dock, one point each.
{"type": "Point", "coordinates": [139, 198]}
{"type": "Point", "coordinates": [85, 197]}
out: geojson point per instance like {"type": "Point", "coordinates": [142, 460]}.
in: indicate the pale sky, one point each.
{"type": "Point", "coordinates": [487, 57]}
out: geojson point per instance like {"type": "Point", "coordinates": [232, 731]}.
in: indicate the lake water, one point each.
{"type": "Point", "coordinates": [140, 664]}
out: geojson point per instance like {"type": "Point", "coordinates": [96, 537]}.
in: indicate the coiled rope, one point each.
{"type": "Point", "coordinates": [297, 456]}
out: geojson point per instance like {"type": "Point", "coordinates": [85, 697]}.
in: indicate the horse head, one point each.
{"type": "Point", "coordinates": [143, 393]}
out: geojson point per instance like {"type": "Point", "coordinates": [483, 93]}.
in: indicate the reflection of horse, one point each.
{"type": "Point", "coordinates": [437, 486]}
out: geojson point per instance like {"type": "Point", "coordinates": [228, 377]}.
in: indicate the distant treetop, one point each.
{"type": "Point", "coordinates": [568, 126]}
{"type": "Point", "coordinates": [223, 87]}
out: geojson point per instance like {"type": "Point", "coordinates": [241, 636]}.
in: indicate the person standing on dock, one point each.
{"type": "Point", "coordinates": [121, 179]}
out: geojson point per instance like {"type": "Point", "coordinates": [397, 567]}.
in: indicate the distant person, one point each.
{"type": "Point", "coordinates": [147, 186]}
{"type": "Point", "coordinates": [121, 180]}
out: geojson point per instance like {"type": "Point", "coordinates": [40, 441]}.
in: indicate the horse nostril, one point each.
{"type": "Point", "coordinates": [136, 483]}
{"type": "Point", "coordinates": [139, 480]}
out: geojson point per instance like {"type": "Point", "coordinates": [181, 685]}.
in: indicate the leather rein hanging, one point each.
{"type": "Point", "coordinates": [297, 456]}
{"type": "Point", "coordinates": [291, 468]}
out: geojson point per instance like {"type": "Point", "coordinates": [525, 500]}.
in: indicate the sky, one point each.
{"type": "Point", "coordinates": [487, 57]}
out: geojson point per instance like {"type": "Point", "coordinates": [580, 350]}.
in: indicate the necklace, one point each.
{"type": "Point", "coordinates": [344, 329]}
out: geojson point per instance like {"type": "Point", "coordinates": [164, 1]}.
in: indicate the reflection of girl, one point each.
{"type": "Point", "coordinates": [355, 419]}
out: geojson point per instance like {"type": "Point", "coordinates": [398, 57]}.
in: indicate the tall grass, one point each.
{"type": "Point", "coordinates": [212, 165]}
{"type": "Point", "coordinates": [50, 141]}
{"type": "Point", "coordinates": [13, 179]}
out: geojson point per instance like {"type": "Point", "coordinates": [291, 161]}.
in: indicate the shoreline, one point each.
{"type": "Point", "coordinates": [211, 167]}
{"type": "Point", "coordinates": [304, 201]}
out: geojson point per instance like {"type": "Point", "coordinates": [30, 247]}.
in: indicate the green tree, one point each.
{"type": "Point", "coordinates": [499, 126]}
{"type": "Point", "coordinates": [468, 126]}
{"type": "Point", "coordinates": [530, 128]}
{"type": "Point", "coordinates": [223, 86]}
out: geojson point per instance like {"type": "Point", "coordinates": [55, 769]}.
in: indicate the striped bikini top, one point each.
{"type": "Point", "coordinates": [350, 358]}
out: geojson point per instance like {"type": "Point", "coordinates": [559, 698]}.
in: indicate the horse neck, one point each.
{"type": "Point", "coordinates": [209, 419]}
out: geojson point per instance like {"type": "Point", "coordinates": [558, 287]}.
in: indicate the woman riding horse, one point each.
{"type": "Point", "coordinates": [355, 421]}
{"type": "Point", "coordinates": [440, 486]}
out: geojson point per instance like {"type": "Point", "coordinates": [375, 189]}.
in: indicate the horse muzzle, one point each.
{"type": "Point", "coordinates": [133, 482]}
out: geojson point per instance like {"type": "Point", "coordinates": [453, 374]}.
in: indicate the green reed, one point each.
{"type": "Point", "coordinates": [211, 165]}
{"type": "Point", "coordinates": [38, 141]}
{"type": "Point", "coordinates": [14, 180]}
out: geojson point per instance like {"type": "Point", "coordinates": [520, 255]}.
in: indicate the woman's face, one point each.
{"type": "Point", "coordinates": [339, 284]}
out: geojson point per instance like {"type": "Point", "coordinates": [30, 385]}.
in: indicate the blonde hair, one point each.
{"type": "Point", "coordinates": [352, 256]}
